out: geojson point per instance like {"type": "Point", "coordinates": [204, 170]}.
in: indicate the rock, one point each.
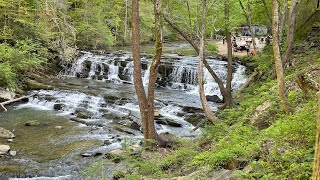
{"type": "Point", "coordinates": [4, 149]}
{"type": "Point", "coordinates": [6, 95]}
{"type": "Point", "coordinates": [165, 139]}
{"type": "Point", "coordinates": [83, 113]}
{"type": "Point", "coordinates": [33, 123]}
{"type": "Point", "coordinates": [190, 109]}
{"type": "Point", "coordinates": [194, 118]}
{"type": "Point", "coordinates": [224, 174]}
{"type": "Point", "coordinates": [86, 154]}
{"type": "Point", "coordinates": [58, 106]}
{"type": "Point", "coordinates": [168, 122]}
{"type": "Point", "coordinates": [6, 134]}
{"type": "Point", "coordinates": [12, 153]}
{"type": "Point", "coordinates": [135, 148]}
{"type": "Point", "coordinates": [260, 117]}
{"type": "Point", "coordinates": [130, 124]}
{"type": "Point", "coordinates": [88, 122]}
{"type": "Point", "coordinates": [58, 127]}
{"type": "Point", "coordinates": [116, 152]}
{"type": "Point", "coordinates": [9, 140]}
{"type": "Point", "coordinates": [124, 129]}
{"type": "Point", "coordinates": [214, 98]}
{"type": "Point", "coordinates": [107, 142]}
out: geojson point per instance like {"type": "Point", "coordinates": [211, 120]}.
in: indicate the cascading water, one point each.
{"type": "Point", "coordinates": [98, 97]}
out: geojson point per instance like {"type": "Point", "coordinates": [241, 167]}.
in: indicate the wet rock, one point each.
{"type": "Point", "coordinates": [86, 154]}
{"type": "Point", "coordinates": [190, 109]}
{"type": "Point", "coordinates": [88, 122]}
{"type": "Point", "coordinates": [124, 129]}
{"type": "Point", "coordinates": [130, 124]}
{"type": "Point", "coordinates": [107, 142]}
{"type": "Point", "coordinates": [33, 123]}
{"type": "Point", "coordinates": [168, 122]}
{"type": "Point", "coordinates": [83, 113]}
{"type": "Point", "coordinates": [58, 106]}
{"type": "Point", "coordinates": [6, 95]}
{"type": "Point", "coordinates": [194, 119]}
{"type": "Point", "coordinates": [12, 153]}
{"type": "Point", "coordinates": [6, 134]}
{"type": "Point", "coordinates": [260, 117]}
{"type": "Point", "coordinates": [214, 98]}
{"type": "Point", "coordinates": [110, 98]}
{"type": "Point", "coordinates": [4, 149]}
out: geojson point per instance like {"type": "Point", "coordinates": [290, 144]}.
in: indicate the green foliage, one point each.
{"type": "Point", "coordinates": [212, 48]}
{"type": "Point", "coordinates": [23, 57]}
{"type": "Point", "coordinates": [95, 170]}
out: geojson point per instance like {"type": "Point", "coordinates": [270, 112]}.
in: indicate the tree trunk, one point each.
{"type": "Point", "coordinates": [247, 15]}
{"type": "Point", "coordinates": [277, 57]}
{"type": "Point", "coordinates": [137, 75]}
{"type": "Point", "coordinates": [316, 162]}
{"type": "Point", "coordinates": [228, 98]}
{"type": "Point", "coordinates": [222, 89]}
{"type": "Point", "coordinates": [154, 69]}
{"type": "Point", "coordinates": [295, 4]}
{"type": "Point", "coordinates": [206, 108]}
{"type": "Point", "coordinates": [282, 18]}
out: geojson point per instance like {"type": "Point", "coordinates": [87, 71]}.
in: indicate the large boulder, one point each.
{"type": "Point", "coordinates": [214, 98]}
{"type": "Point", "coordinates": [260, 117]}
{"type": "Point", "coordinates": [6, 95]}
{"type": "Point", "coordinates": [6, 134]}
{"type": "Point", "coordinates": [194, 118]}
{"type": "Point", "coordinates": [4, 149]}
{"type": "Point", "coordinates": [58, 106]}
{"type": "Point", "coordinates": [83, 113]}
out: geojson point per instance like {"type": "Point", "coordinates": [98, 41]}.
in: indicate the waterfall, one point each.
{"type": "Point", "coordinates": [182, 74]}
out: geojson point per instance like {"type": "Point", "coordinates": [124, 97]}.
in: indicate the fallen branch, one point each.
{"type": "Point", "coordinates": [305, 83]}
{"type": "Point", "coordinates": [23, 98]}
{"type": "Point", "coordinates": [254, 76]}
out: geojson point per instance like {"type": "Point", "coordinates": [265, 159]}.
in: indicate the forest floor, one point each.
{"type": "Point", "coordinates": [222, 48]}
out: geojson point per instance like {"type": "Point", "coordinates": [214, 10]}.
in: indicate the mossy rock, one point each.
{"type": "Point", "coordinates": [33, 123]}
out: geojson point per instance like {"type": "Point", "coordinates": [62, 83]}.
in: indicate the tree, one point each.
{"type": "Point", "coordinates": [277, 56]}
{"type": "Point", "coordinates": [222, 89]}
{"type": "Point", "coordinates": [146, 102]}
{"type": "Point", "coordinates": [316, 162]}
{"type": "Point", "coordinates": [295, 4]}
{"type": "Point", "coordinates": [206, 108]}
{"type": "Point", "coordinates": [247, 13]}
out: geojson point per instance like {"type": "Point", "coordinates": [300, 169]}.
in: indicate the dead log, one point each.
{"type": "Point", "coordinates": [23, 98]}
{"type": "Point", "coordinates": [306, 84]}
{"type": "Point", "coordinates": [254, 76]}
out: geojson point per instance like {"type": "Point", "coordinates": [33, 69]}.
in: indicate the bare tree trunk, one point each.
{"type": "Point", "coordinates": [316, 162]}
{"type": "Point", "coordinates": [137, 75]}
{"type": "Point", "coordinates": [222, 89]}
{"type": "Point", "coordinates": [277, 56]}
{"type": "Point", "coordinates": [206, 108]}
{"type": "Point", "coordinates": [267, 10]}
{"type": "Point", "coordinates": [282, 18]}
{"type": "Point", "coordinates": [247, 15]}
{"type": "Point", "coordinates": [154, 69]}
{"type": "Point", "coordinates": [295, 4]}
{"type": "Point", "coordinates": [228, 100]}
{"type": "Point", "coordinates": [126, 21]}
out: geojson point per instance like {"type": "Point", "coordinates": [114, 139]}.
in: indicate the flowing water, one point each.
{"type": "Point", "coordinates": [95, 102]}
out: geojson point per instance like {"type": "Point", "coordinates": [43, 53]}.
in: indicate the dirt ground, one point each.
{"type": "Point", "coordinates": [240, 42]}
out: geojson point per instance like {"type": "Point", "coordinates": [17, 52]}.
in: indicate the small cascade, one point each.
{"type": "Point", "coordinates": [128, 71]}
{"type": "Point", "coordinates": [146, 75]}
{"type": "Point", "coordinates": [113, 74]}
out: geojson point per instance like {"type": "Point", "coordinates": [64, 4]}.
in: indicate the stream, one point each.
{"type": "Point", "coordinates": [93, 109]}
